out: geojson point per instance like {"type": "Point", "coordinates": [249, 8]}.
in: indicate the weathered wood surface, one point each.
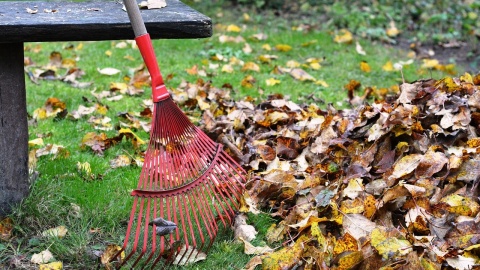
{"type": "Point", "coordinates": [13, 128]}
{"type": "Point", "coordinates": [96, 20]}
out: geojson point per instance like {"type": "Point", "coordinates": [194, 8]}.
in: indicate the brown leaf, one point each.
{"type": "Point", "coordinates": [287, 147]}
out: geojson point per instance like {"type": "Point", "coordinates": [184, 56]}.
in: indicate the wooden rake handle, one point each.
{"type": "Point", "coordinates": [144, 43]}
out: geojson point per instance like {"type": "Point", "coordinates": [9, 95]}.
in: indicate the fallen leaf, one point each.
{"type": "Point", "coordinates": [344, 36]}
{"type": "Point", "coordinates": [6, 228]}
{"type": "Point", "coordinates": [51, 266]}
{"type": "Point", "coordinates": [359, 49]}
{"type": "Point", "coordinates": [250, 249]}
{"type": "Point", "coordinates": [286, 257]}
{"type": "Point", "coordinates": [242, 230]}
{"type": "Point", "coordinates": [358, 225]}
{"type": "Point", "coordinates": [272, 82]}
{"type": "Point", "coordinates": [110, 254]}
{"type": "Point", "coordinates": [42, 257]}
{"type": "Point", "coordinates": [35, 142]}
{"type": "Point", "coordinates": [193, 256]}
{"type": "Point", "coordinates": [388, 247]}
{"type": "Point", "coordinates": [233, 28]}
{"type": "Point", "coordinates": [365, 67]}
{"type": "Point", "coordinates": [283, 47]}
{"type": "Point", "coordinates": [120, 161]}
{"type": "Point", "coordinates": [59, 232]}
{"type": "Point", "coordinates": [108, 71]}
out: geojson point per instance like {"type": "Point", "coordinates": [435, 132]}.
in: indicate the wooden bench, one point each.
{"type": "Point", "coordinates": [63, 21]}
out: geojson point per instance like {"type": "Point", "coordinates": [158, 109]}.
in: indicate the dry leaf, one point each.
{"type": "Point", "coordinates": [42, 257]}
{"type": "Point", "coordinates": [253, 250]}
{"type": "Point", "coordinates": [193, 256]}
{"type": "Point", "coordinates": [108, 71]}
{"type": "Point", "coordinates": [242, 230]}
{"type": "Point", "coordinates": [59, 232]}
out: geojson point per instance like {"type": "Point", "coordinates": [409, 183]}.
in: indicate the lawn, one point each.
{"type": "Point", "coordinates": [251, 57]}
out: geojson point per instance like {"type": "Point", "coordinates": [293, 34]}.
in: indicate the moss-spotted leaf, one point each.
{"type": "Point", "coordinates": [389, 247]}
{"type": "Point", "coordinates": [286, 257]}
{"type": "Point", "coordinates": [345, 243]}
{"type": "Point", "coordinates": [461, 205]}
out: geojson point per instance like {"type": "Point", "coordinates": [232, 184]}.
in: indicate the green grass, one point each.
{"type": "Point", "coordinates": [105, 202]}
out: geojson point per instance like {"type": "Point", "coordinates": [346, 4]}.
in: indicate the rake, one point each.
{"type": "Point", "coordinates": [189, 187]}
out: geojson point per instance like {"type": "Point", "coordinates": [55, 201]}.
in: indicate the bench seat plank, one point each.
{"type": "Point", "coordinates": [96, 20]}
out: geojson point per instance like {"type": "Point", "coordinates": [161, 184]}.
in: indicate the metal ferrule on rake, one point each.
{"type": "Point", "coordinates": [188, 187]}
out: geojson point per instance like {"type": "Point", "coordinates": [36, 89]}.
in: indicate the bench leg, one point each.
{"type": "Point", "coordinates": [14, 184]}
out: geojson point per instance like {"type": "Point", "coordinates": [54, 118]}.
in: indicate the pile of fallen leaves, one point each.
{"type": "Point", "coordinates": [383, 186]}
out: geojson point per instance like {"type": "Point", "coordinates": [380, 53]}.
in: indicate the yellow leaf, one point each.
{"type": "Point", "coordinates": [292, 64]}
{"type": "Point", "coordinates": [51, 266]}
{"type": "Point", "coordinates": [322, 83]}
{"type": "Point", "coordinates": [315, 66]}
{"type": "Point", "coordinates": [369, 206]}
{"type": "Point", "coordinates": [251, 66]}
{"type": "Point", "coordinates": [59, 232]}
{"type": "Point", "coordinates": [466, 78]}
{"type": "Point", "coordinates": [308, 43]}
{"type": "Point", "coordinates": [272, 82]}
{"type": "Point", "coordinates": [35, 142]}
{"type": "Point", "coordinates": [350, 260]}
{"type": "Point", "coordinates": [430, 63]}
{"type": "Point", "coordinates": [84, 169]}
{"type": "Point", "coordinates": [267, 58]}
{"type": "Point", "coordinates": [275, 233]}
{"type": "Point", "coordinates": [128, 132]}
{"type": "Point", "coordinates": [248, 81]}
{"type": "Point", "coordinates": [233, 28]}
{"type": "Point", "coordinates": [121, 87]}
{"type": "Point", "coordinates": [346, 243]}
{"type": "Point", "coordinates": [388, 66]}
{"type": "Point", "coordinates": [461, 205]}
{"type": "Point", "coordinates": [266, 47]}
{"type": "Point", "coordinates": [365, 67]}
{"type": "Point", "coordinates": [246, 17]}
{"type": "Point", "coordinates": [283, 47]}
{"type": "Point", "coordinates": [344, 36]}
{"type": "Point", "coordinates": [39, 114]}
{"type": "Point", "coordinates": [389, 247]}
{"type": "Point", "coordinates": [286, 257]}
{"type": "Point", "coordinates": [227, 68]}
{"type": "Point", "coordinates": [316, 232]}
{"type": "Point", "coordinates": [392, 31]}
{"type": "Point", "coordinates": [108, 53]}
{"type": "Point", "coordinates": [110, 252]}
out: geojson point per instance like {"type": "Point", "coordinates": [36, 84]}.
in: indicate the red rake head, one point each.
{"type": "Point", "coordinates": [187, 180]}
